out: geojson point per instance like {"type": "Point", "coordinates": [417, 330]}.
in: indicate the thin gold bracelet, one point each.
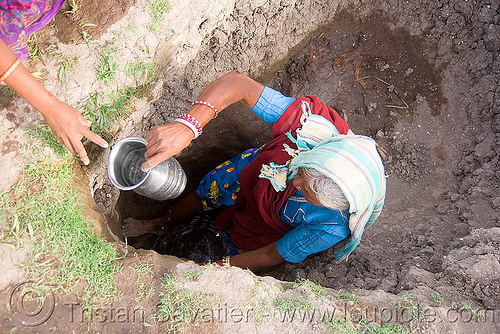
{"type": "Point", "coordinates": [10, 70]}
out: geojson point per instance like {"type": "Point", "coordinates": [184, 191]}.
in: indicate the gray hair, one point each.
{"type": "Point", "coordinates": [326, 190]}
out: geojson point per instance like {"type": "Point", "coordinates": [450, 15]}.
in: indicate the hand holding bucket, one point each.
{"type": "Point", "coordinates": [165, 181]}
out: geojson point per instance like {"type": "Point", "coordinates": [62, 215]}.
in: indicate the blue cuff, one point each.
{"type": "Point", "coordinates": [271, 105]}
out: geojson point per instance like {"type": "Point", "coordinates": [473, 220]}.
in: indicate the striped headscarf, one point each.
{"type": "Point", "coordinates": [354, 164]}
{"type": "Point", "coordinates": [351, 161]}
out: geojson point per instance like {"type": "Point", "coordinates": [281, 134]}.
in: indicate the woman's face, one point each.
{"type": "Point", "coordinates": [300, 181]}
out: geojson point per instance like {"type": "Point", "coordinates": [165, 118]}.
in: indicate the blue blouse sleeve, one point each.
{"type": "Point", "coordinates": [271, 105]}
{"type": "Point", "coordinates": [301, 242]}
{"type": "Point", "coordinates": [316, 228]}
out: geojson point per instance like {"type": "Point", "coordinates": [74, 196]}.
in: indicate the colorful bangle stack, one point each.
{"type": "Point", "coordinates": [211, 106]}
{"type": "Point", "coordinates": [191, 123]}
{"type": "Point", "coordinates": [10, 70]}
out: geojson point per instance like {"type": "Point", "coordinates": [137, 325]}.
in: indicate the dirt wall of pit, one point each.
{"type": "Point", "coordinates": [435, 111]}
{"type": "Point", "coordinates": [221, 37]}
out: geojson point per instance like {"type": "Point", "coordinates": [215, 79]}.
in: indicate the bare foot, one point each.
{"type": "Point", "coordinates": [133, 227]}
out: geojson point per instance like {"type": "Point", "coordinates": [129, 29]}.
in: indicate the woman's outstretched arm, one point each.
{"type": "Point", "coordinates": [167, 140]}
{"type": "Point", "coordinates": [65, 121]}
{"type": "Point", "coordinates": [259, 259]}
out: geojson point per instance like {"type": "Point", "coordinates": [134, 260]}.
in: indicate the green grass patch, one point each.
{"type": "Point", "coordinates": [338, 325]}
{"type": "Point", "coordinates": [66, 66]}
{"type": "Point", "coordinates": [157, 8]}
{"type": "Point", "coordinates": [44, 134]}
{"type": "Point", "coordinates": [409, 307]}
{"type": "Point", "coordinates": [104, 109]}
{"type": "Point", "coordinates": [132, 27]}
{"type": "Point", "coordinates": [349, 297]}
{"type": "Point", "coordinates": [107, 67]}
{"type": "Point", "coordinates": [437, 299]}
{"type": "Point", "coordinates": [261, 308]}
{"type": "Point", "coordinates": [43, 208]}
{"type": "Point", "coordinates": [141, 71]}
{"type": "Point", "coordinates": [193, 274]}
{"type": "Point", "coordinates": [34, 49]}
{"type": "Point", "coordinates": [290, 305]}
{"type": "Point", "coordinates": [317, 290]}
{"type": "Point", "coordinates": [144, 288]}
{"type": "Point", "coordinates": [66, 62]}
{"type": "Point", "coordinates": [467, 310]}
{"type": "Point", "coordinates": [6, 93]}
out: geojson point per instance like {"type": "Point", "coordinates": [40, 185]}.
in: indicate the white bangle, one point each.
{"type": "Point", "coordinates": [191, 123]}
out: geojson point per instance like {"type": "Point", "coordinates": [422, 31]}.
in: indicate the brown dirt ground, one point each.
{"type": "Point", "coordinates": [422, 79]}
{"type": "Point", "coordinates": [426, 92]}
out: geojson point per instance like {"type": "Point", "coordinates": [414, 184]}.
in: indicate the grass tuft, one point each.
{"type": "Point", "coordinates": [157, 8]}
{"type": "Point", "coordinates": [289, 305]}
{"type": "Point", "coordinates": [74, 6]}
{"type": "Point", "coordinates": [144, 288]}
{"type": "Point", "coordinates": [140, 71]}
{"type": "Point", "coordinates": [66, 66]}
{"type": "Point", "coordinates": [465, 308]}
{"type": "Point", "coordinates": [107, 67]}
{"type": "Point", "coordinates": [338, 325]}
{"type": "Point", "coordinates": [437, 299]}
{"type": "Point", "coordinates": [349, 296]}
{"type": "Point", "coordinates": [44, 209]}
{"type": "Point", "coordinates": [317, 290]}
{"type": "Point", "coordinates": [181, 306]}
{"type": "Point", "coordinates": [6, 93]}
{"type": "Point", "coordinates": [103, 110]}
{"type": "Point", "coordinates": [35, 51]}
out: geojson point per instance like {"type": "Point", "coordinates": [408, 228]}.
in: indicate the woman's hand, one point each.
{"type": "Point", "coordinates": [70, 127]}
{"type": "Point", "coordinates": [65, 121]}
{"type": "Point", "coordinates": [168, 140]}
{"type": "Point", "coordinates": [165, 141]}
{"type": "Point", "coordinates": [258, 259]}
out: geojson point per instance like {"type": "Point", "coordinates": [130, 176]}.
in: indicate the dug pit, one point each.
{"type": "Point", "coordinates": [419, 78]}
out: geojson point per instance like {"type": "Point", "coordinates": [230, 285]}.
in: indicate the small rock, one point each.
{"type": "Point", "coordinates": [477, 291]}
{"type": "Point", "coordinates": [484, 147]}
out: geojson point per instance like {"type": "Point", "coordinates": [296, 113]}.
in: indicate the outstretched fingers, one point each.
{"type": "Point", "coordinates": [94, 138]}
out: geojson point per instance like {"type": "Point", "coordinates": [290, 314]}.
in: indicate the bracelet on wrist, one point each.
{"type": "Point", "coordinates": [10, 70]}
{"type": "Point", "coordinates": [226, 261]}
{"type": "Point", "coordinates": [211, 106]}
{"type": "Point", "coordinates": [191, 123]}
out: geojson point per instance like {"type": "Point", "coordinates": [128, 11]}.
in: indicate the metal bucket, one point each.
{"type": "Point", "coordinates": [165, 181]}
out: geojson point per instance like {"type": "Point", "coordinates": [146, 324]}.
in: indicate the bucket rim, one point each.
{"type": "Point", "coordinates": [112, 155]}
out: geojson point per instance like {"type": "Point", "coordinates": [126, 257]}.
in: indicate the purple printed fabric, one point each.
{"type": "Point", "coordinates": [20, 18]}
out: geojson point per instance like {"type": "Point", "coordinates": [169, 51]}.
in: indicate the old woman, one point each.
{"type": "Point", "coordinates": [314, 186]}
